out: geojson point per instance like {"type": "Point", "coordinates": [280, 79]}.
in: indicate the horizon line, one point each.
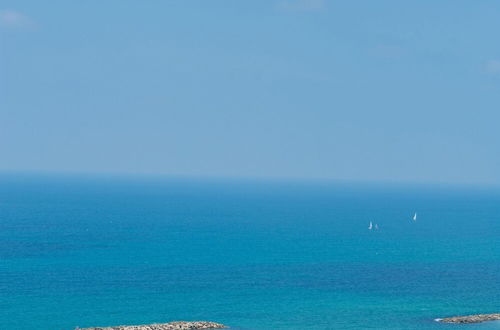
{"type": "Point", "coordinates": [257, 178]}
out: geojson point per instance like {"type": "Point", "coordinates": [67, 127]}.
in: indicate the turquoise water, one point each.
{"type": "Point", "coordinates": [89, 251]}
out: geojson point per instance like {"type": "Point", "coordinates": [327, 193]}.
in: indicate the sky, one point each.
{"type": "Point", "coordinates": [386, 90]}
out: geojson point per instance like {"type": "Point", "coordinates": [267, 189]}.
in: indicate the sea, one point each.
{"type": "Point", "coordinates": [97, 250]}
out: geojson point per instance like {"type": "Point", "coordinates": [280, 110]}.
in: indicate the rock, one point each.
{"type": "Point", "coordinates": [179, 325]}
{"type": "Point", "coordinates": [478, 318]}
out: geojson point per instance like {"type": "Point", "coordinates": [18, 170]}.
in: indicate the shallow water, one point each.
{"type": "Point", "coordinates": [88, 251]}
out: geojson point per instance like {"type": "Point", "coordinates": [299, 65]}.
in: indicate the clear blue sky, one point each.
{"type": "Point", "coordinates": [352, 90]}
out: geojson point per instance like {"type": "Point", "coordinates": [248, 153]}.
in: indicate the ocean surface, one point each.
{"type": "Point", "coordinates": [95, 251]}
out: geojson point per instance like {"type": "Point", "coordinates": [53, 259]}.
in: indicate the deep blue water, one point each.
{"type": "Point", "coordinates": [95, 251]}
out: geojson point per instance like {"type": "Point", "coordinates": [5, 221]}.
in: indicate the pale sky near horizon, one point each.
{"type": "Point", "coordinates": [353, 90]}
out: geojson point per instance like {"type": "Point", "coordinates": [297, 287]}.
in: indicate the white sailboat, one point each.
{"type": "Point", "coordinates": [370, 226]}
{"type": "Point", "coordinates": [415, 217]}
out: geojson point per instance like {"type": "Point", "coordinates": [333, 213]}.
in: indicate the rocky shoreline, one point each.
{"type": "Point", "coordinates": [178, 325]}
{"type": "Point", "coordinates": [477, 318]}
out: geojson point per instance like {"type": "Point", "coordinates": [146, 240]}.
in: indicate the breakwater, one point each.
{"type": "Point", "coordinates": [178, 325]}
{"type": "Point", "coordinates": [477, 318]}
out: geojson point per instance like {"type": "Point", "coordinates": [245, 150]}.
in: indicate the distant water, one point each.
{"type": "Point", "coordinates": [93, 251]}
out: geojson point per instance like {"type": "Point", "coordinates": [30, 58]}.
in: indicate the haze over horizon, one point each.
{"type": "Point", "coordinates": [342, 90]}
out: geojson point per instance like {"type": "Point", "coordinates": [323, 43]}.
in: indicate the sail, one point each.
{"type": "Point", "coordinates": [370, 226]}
{"type": "Point", "coordinates": [415, 217]}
